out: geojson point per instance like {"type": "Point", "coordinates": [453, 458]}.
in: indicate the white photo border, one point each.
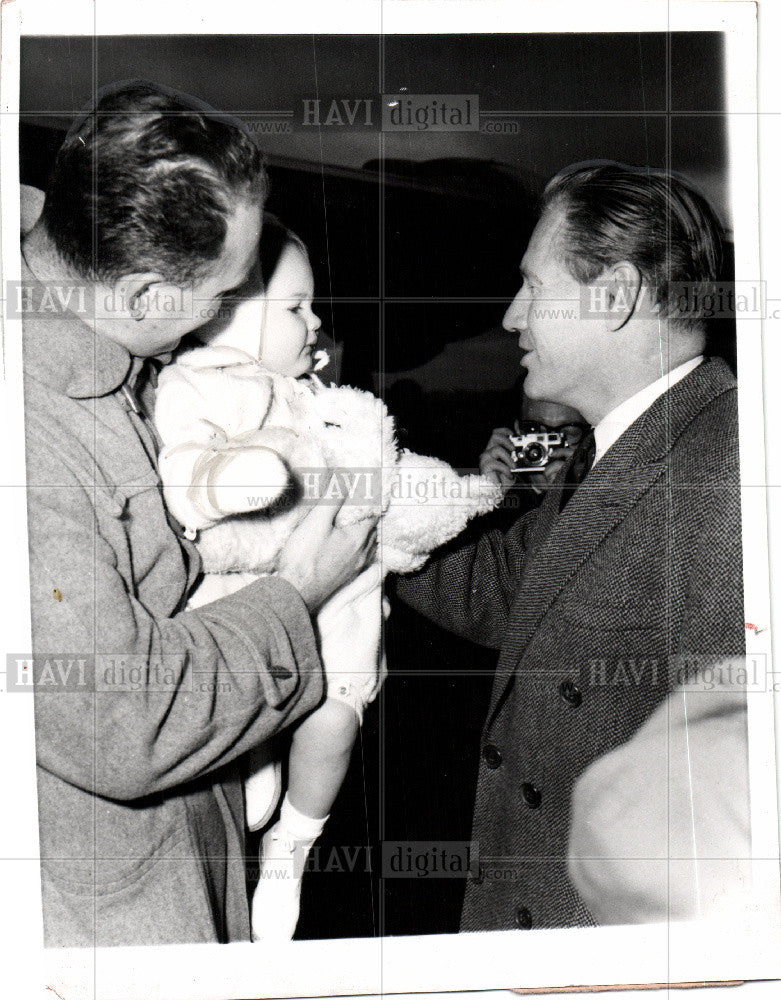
{"type": "Point", "coordinates": [574, 957]}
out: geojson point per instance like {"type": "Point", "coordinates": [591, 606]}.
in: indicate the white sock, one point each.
{"type": "Point", "coordinates": [277, 898]}
{"type": "Point", "coordinates": [303, 828]}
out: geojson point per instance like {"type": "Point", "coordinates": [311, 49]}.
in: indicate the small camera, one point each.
{"type": "Point", "coordinates": [532, 450]}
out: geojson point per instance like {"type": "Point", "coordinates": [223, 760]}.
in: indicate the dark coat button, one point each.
{"type": "Point", "coordinates": [531, 794]}
{"type": "Point", "coordinates": [570, 693]}
{"type": "Point", "coordinates": [491, 756]}
{"type": "Point", "coordinates": [523, 918]}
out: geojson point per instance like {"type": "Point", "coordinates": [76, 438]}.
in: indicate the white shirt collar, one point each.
{"type": "Point", "coordinates": [612, 425]}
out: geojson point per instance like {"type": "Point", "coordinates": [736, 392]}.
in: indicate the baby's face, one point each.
{"type": "Point", "coordinates": [290, 327]}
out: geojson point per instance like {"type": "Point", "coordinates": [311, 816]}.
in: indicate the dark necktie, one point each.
{"type": "Point", "coordinates": [582, 460]}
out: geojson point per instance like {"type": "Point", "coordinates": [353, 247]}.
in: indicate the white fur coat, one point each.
{"type": "Point", "coordinates": [332, 441]}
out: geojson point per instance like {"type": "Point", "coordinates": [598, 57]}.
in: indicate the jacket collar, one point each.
{"type": "Point", "coordinates": [561, 543]}
{"type": "Point", "coordinates": [652, 435]}
{"type": "Point", "coordinates": [64, 353]}
{"type": "Point", "coordinates": [613, 424]}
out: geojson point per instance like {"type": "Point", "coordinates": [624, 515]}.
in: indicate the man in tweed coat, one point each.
{"type": "Point", "coordinates": [615, 588]}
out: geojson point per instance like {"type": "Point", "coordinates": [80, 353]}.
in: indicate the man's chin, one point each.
{"type": "Point", "coordinates": [164, 353]}
{"type": "Point", "coordinates": [159, 351]}
{"type": "Point", "coordinates": [530, 390]}
{"type": "Point", "coordinates": [539, 392]}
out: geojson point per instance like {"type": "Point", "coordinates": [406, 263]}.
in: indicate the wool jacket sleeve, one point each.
{"type": "Point", "coordinates": [469, 585]}
{"type": "Point", "coordinates": [166, 698]}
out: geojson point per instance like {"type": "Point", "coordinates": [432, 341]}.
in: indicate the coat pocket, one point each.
{"type": "Point", "coordinates": [629, 616]}
{"type": "Point", "coordinates": [101, 875]}
{"type": "Point", "coordinates": [157, 900]}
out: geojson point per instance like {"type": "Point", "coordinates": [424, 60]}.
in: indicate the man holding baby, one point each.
{"type": "Point", "coordinates": [140, 800]}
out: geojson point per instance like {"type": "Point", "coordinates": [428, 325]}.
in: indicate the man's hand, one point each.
{"type": "Point", "coordinates": [540, 481]}
{"type": "Point", "coordinates": [496, 461]}
{"type": "Point", "coordinates": [320, 557]}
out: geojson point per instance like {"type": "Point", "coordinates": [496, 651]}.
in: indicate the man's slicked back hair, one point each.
{"type": "Point", "coordinates": [146, 181]}
{"type": "Point", "coordinates": [656, 220]}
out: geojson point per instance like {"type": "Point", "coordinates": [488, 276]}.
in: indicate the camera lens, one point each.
{"type": "Point", "coordinates": [533, 453]}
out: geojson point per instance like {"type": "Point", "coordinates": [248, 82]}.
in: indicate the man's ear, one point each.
{"type": "Point", "coordinates": [133, 293]}
{"type": "Point", "coordinates": [624, 287]}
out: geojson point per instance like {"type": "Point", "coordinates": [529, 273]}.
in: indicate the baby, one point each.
{"type": "Point", "coordinates": [243, 422]}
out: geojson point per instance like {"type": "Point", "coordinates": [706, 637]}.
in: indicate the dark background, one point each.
{"type": "Point", "coordinates": [415, 240]}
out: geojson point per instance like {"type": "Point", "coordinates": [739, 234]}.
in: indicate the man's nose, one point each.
{"type": "Point", "coordinates": [515, 319]}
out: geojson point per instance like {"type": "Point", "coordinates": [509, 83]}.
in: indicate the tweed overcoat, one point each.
{"type": "Point", "coordinates": [596, 610]}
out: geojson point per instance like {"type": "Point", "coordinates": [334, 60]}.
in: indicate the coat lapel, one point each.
{"type": "Point", "coordinates": [601, 502]}
{"type": "Point", "coordinates": [562, 543]}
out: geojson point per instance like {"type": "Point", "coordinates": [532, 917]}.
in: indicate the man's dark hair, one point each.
{"type": "Point", "coordinates": [651, 218]}
{"type": "Point", "coordinates": [145, 181]}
